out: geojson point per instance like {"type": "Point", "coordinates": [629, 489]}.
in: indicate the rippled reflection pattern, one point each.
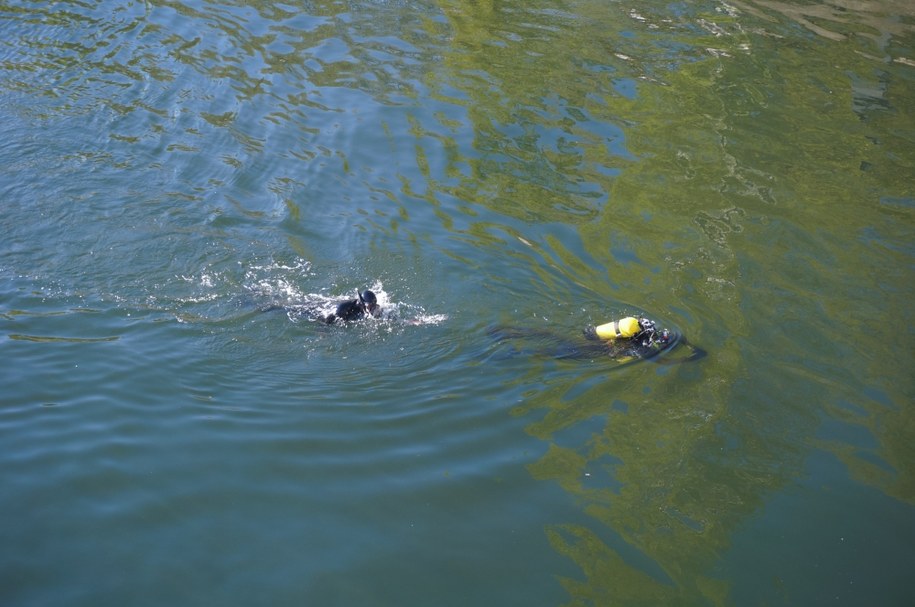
{"type": "Point", "coordinates": [184, 183]}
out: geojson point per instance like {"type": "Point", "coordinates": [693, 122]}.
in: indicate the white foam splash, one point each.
{"type": "Point", "coordinates": [277, 280]}
{"type": "Point", "coordinates": [278, 283]}
{"type": "Point", "coordinates": [427, 319]}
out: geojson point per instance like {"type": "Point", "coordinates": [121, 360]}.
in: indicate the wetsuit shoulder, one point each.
{"type": "Point", "coordinates": [348, 310]}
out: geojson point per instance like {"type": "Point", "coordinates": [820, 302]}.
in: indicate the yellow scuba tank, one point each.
{"type": "Point", "coordinates": [625, 328]}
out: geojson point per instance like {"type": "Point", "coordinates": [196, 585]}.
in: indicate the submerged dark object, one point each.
{"type": "Point", "coordinates": [624, 340]}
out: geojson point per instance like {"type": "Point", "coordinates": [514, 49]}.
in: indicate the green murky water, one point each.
{"type": "Point", "coordinates": [741, 171]}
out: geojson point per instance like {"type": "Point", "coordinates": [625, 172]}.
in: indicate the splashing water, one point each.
{"type": "Point", "coordinates": [277, 283]}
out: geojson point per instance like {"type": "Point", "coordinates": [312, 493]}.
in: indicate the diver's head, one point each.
{"type": "Point", "coordinates": [369, 302]}
{"type": "Point", "coordinates": [652, 335]}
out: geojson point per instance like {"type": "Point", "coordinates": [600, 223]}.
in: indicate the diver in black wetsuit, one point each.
{"type": "Point", "coordinates": [629, 338]}
{"type": "Point", "coordinates": [354, 309]}
{"type": "Point", "coordinates": [633, 338]}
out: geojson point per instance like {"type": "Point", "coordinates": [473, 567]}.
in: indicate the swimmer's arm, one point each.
{"type": "Point", "coordinates": [695, 353]}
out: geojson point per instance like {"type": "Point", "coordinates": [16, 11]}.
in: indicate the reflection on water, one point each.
{"type": "Point", "coordinates": [839, 20]}
{"type": "Point", "coordinates": [739, 169]}
{"type": "Point", "coordinates": [676, 494]}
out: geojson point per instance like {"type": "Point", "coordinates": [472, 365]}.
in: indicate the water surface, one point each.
{"type": "Point", "coordinates": [741, 171]}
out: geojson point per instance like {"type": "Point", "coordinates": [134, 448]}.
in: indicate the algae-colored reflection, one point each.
{"type": "Point", "coordinates": [744, 174]}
